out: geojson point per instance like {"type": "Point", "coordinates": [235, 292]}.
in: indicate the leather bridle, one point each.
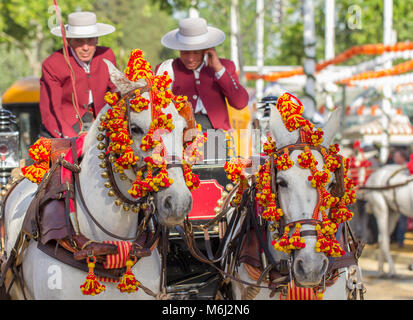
{"type": "Point", "coordinates": [146, 201]}
{"type": "Point", "coordinates": [281, 268]}
{"type": "Point", "coordinates": [171, 160]}
{"type": "Point", "coordinates": [337, 191]}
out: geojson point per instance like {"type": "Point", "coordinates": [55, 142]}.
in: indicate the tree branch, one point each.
{"type": "Point", "coordinates": [26, 51]}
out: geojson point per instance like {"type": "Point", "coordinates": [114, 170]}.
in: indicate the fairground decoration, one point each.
{"type": "Point", "coordinates": [368, 49]}
{"type": "Point", "coordinates": [116, 126]}
{"type": "Point", "coordinates": [40, 154]}
{"type": "Point", "coordinates": [291, 111]}
{"type": "Point", "coordinates": [394, 71]}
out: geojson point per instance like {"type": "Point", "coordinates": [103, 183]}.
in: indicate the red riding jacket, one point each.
{"type": "Point", "coordinates": [56, 107]}
{"type": "Point", "coordinates": [211, 90]}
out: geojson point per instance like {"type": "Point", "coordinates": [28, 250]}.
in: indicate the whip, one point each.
{"type": "Point", "coordinates": [66, 55]}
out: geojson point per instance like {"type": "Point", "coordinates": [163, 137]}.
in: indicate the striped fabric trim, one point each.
{"type": "Point", "coordinates": [299, 293]}
{"type": "Point", "coordinates": [106, 279]}
{"type": "Point", "coordinates": [119, 260]}
{"type": "Point", "coordinates": [294, 292]}
{"type": "Point", "coordinates": [115, 261]}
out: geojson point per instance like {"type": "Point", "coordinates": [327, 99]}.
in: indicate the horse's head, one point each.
{"type": "Point", "coordinates": [172, 203]}
{"type": "Point", "coordinates": [145, 133]}
{"type": "Point", "coordinates": [307, 184]}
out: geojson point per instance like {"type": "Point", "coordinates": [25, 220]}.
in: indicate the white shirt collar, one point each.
{"type": "Point", "coordinates": [198, 70]}
{"type": "Point", "coordinates": [200, 67]}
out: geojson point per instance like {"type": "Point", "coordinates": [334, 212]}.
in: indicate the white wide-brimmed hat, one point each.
{"type": "Point", "coordinates": [83, 25]}
{"type": "Point", "coordinates": [193, 34]}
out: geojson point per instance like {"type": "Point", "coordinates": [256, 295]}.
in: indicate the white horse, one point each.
{"type": "Point", "coordinates": [47, 278]}
{"type": "Point", "coordinates": [297, 200]}
{"type": "Point", "coordinates": [389, 193]}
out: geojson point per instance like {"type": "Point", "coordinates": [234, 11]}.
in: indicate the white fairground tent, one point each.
{"type": "Point", "coordinates": [370, 92]}
{"type": "Point", "coordinates": [400, 132]}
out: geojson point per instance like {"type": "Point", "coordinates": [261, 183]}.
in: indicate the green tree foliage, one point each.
{"type": "Point", "coordinates": [140, 24]}
{"type": "Point", "coordinates": [171, 6]}
{"type": "Point", "coordinates": [25, 25]}
{"type": "Point", "coordinates": [25, 39]}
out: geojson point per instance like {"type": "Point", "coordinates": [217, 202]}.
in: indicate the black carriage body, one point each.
{"type": "Point", "coordinates": [187, 277]}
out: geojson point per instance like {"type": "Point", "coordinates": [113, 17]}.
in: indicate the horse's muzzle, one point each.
{"type": "Point", "coordinates": [309, 273]}
{"type": "Point", "coordinates": [172, 211]}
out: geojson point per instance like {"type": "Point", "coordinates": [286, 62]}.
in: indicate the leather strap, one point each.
{"type": "Point", "coordinates": [188, 239]}
{"type": "Point", "coordinates": [67, 215]}
{"type": "Point", "coordinates": [308, 233]}
{"type": "Point", "coordinates": [66, 257]}
{"type": "Point", "coordinates": [259, 233]}
{"type": "Point", "coordinates": [83, 202]}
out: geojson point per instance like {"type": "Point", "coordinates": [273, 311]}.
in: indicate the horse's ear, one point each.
{"type": "Point", "coordinates": [280, 133]}
{"type": "Point", "coordinates": [331, 127]}
{"type": "Point", "coordinates": [166, 66]}
{"type": "Point", "coordinates": [123, 84]}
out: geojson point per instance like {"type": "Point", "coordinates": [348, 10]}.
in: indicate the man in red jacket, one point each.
{"type": "Point", "coordinates": [60, 116]}
{"type": "Point", "coordinates": [201, 75]}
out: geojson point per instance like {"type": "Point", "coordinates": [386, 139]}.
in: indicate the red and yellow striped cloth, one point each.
{"type": "Point", "coordinates": [118, 260]}
{"type": "Point", "coordinates": [299, 293]}
{"type": "Point", "coordinates": [294, 292]}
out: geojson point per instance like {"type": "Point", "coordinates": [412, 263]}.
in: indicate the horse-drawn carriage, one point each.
{"type": "Point", "coordinates": [58, 223]}
{"type": "Point", "coordinates": [185, 275]}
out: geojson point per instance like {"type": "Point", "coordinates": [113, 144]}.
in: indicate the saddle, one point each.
{"type": "Point", "coordinates": [47, 218]}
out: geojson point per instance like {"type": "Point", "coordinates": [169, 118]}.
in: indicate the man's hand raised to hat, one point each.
{"type": "Point", "coordinates": [213, 60]}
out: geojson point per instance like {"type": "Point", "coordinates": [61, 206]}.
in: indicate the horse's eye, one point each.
{"type": "Point", "coordinates": [282, 183]}
{"type": "Point", "coordinates": [331, 186]}
{"type": "Point", "coordinates": [136, 130]}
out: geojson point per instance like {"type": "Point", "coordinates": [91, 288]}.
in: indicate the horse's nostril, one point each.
{"type": "Point", "coordinates": [300, 267]}
{"type": "Point", "coordinates": [168, 203]}
{"type": "Point", "coordinates": [325, 266]}
{"type": "Point", "coordinates": [189, 206]}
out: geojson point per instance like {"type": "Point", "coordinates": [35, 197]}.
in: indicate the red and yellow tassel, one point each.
{"type": "Point", "coordinates": [91, 285]}
{"type": "Point", "coordinates": [191, 179]}
{"type": "Point", "coordinates": [40, 153]}
{"type": "Point", "coordinates": [283, 244]}
{"type": "Point", "coordinates": [284, 162]}
{"type": "Point", "coordinates": [296, 241]}
{"type": "Point", "coordinates": [35, 172]}
{"type": "Point", "coordinates": [129, 283]}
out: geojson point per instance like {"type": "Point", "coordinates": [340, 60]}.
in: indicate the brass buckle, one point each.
{"type": "Point", "coordinates": [188, 227]}
{"type": "Point", "coordinates": [90, 253]}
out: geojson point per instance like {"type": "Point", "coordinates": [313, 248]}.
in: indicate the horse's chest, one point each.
{"type": "Point", "coordinates": [400, 200]}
